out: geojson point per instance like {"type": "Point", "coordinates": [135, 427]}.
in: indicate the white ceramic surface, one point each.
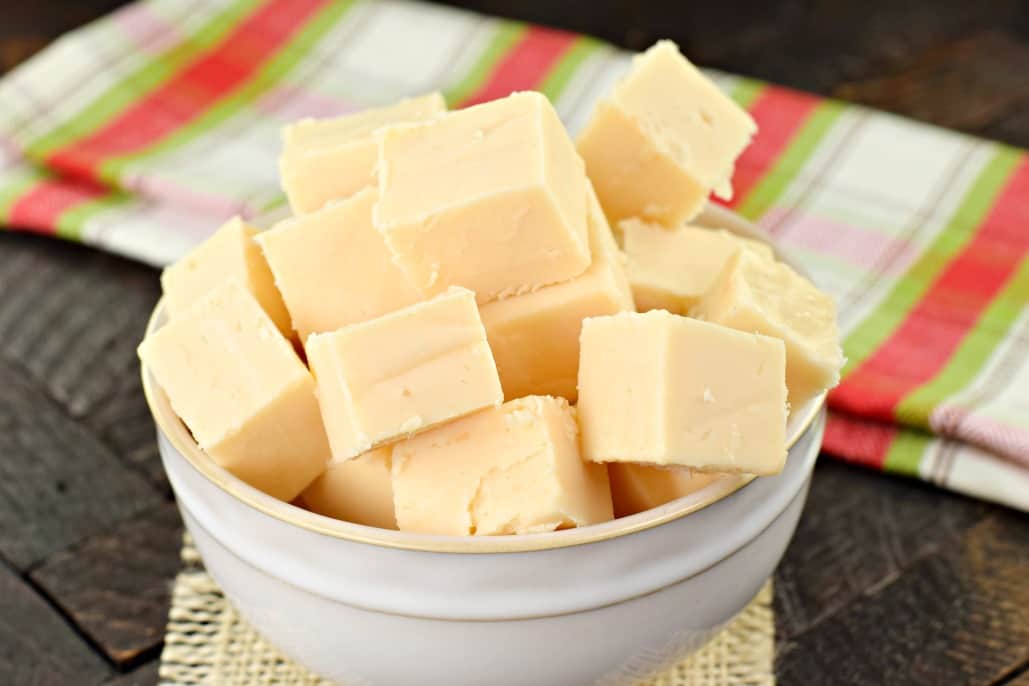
{"type": "Point", "coordinates": [605, 604]}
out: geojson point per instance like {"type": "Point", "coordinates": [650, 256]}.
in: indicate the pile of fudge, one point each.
{"type": "Point", "coordinates": [473, 325]}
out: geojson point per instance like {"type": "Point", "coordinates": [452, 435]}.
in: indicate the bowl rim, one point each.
{"type": "Point", "coordinates": [175, 431]}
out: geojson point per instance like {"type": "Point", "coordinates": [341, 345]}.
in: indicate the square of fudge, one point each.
{"type": "Point", "coordinates": [333, 268]}
{"type": "Point", "coordinates": [639, 487]}
{"type": "Point", "coordinates": [404, 372]}
{"type": "Point", "coordinates": [657, 388]}
{"type": "Point", "coordinates": [535, 336]}
{"type": "Point", "coordinates": [230, 253]}
{"type": "Point", "coordinates": [754, 293]}
{"type": "Point", "coordinates": [670, 269]}
{"type": "Point", "coordinates": [512, 469]}
{"type": "Point", "coordinates": [333, 158]}
{"type": "Point", "coordinates": [491, 198]}
{"type": "Point", "coordinates": [358, 490]}
{"type": "Point", "coordinates": [236, 382]}
{"type": "Point", "coordinates": [665, 139]}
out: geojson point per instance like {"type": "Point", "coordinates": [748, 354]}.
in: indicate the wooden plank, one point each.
{"type": "Point", "coordinates": [124, 422]}
{"type": "Point", "coordinates": [85, 360]}
{"type": "Point", "coordinates": [860, 530]}
{"type": "Point", "coordinates": [116, 585]}
{"type": "Point", "coordinates": [146, 675]}
{"type": "Point", "coordinates": [960, 616]}
{"type": "Point", "coordinates": [1013, 127]}
{"type": "Point", "coordinates": [36, 645]}
{"type": "Point", "coordinates": [72, 316]}
{"type": "Point", "coordinates": [1020, 678]}
{"type": "Point", "coordinates": [965, 84]}
{"type": "Point", "coordinates": [58, 483]}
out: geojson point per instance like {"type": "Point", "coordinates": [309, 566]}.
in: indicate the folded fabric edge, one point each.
{"type": "Point", "coordinates": [38, 201]}
{"type": "Point", "coordinates": [949, 463]}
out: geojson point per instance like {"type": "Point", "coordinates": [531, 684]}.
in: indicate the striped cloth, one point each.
{"type": "Point", "coordinates": [144, 130]}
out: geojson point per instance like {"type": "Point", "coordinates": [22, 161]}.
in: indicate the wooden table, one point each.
{"type": "Point", "coordinates": [888, 581]}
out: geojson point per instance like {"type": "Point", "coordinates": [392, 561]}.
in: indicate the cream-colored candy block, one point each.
{"type": "Point", "coordinates": [358, 490]}
{"type": "Point", "coordinates": [513, 469]}
{"type": "Point", "coordinates": [403, 372]}
{"type": "Point", "coordinates": [492, 198]}
{"type": "Point", "coordinates": [230, 253]}
{"type": "Point", "coordinates": [330, 159]}
{"type": "Point", "coordinates": [657, 388]}
{"type": "Point", "coordinates": [637, 487]}
{"type": "Point", "coordinates": [333, 267]}
{"type": "Point", "coordinates": [670, 269]}
{"type": "Point", "coordinates": [757, 294]}
{"type": "Point", "coordinates": [535, 336]}
{"type": "Point", "coordinates": [664, 140]}
{"type": "Point", "coordinates": [241, 389]}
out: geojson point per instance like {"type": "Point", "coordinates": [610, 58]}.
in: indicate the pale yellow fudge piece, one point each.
{"type": "Point", "coordinates": [658, 388]}
{"type": "Point", "coordinates": [230, 253]}
{"type": "Point", "coordinates": [637, 487]}
{"type": "Point", "coordinates": [670, 269]}
{"type": "Point", "coordinates": [535, 336]}
{"type": "Point", "coordinates": [333, 267]}
{"type": "Point", "coordinates": [757, 294]}
{"type": "Point", "coordinates": [664, 140]}
{"type": "Point", "coordinates": [331, 159]}
{"type": "Point", "coordinates": [241, 389]}
{"type": "Point", "coordinates": [358, 490]}
{"type": "Point", "coordinates": [492, 198]}
{"type": "Point", "coordinates": [403, 372]}
{"type": "Point", "coordinates": [514, 469]}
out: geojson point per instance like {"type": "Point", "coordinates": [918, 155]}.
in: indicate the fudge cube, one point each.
{"type": "Point", "coordinates": [535, 336]}
{"type": "Point", "coordinates": [513, 469]}
{"type": "Point", "coordinates": [492, 198]}
{"type": "Point", "coordinates": [330, 159]}
{"type": "Point", "coordinates": [358, 490]}
{"type": "Point", "coordinates": [406, 371]}
{"type": "Point", "coordinates": [236, 382]}
{"type": "Point", "coordinates": [333, 268]}
{"type": "Point", "coordinates": [670, 269]}
{"type": "Point", "coordinates": [637, 487]}
{"type": "Point", "coordinates": [230, 253]}
{"type": "Point", "coordinates": [658, 388]}
{"type": "Point", "coordinates": [757, 294]}
{"type": "Point", "coordinates": [663, 141]}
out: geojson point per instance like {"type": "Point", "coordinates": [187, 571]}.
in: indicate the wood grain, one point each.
{"type": "Point", "coordinates": [141, 676]}
{"type": "Point", "coordinates": [125, 424]}
{"type": "Point", "coordinates": [58, 483]}
{"type": "Point", "coordinates": [957, 617]}
{"type": "Point", "coordinates": [36, 646]}
{"type": "Point", "coordinates": [72, 318]}
{"type": "Point", "coordinates": [1020, 678]}
{"type": "Point", "coordinates": [114, 586]}
{"type": "Point", "coordinates": [860, 531]}
{"type": "Point", "coordinates": [988, 70]}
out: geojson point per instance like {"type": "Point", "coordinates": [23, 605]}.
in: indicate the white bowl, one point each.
{"type": "Point", "coordinates": [604, 604]}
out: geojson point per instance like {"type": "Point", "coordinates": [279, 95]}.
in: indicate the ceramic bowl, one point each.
{"type": "Point", "coordinates": [605, 604]}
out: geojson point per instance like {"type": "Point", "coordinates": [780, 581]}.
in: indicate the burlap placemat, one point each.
{"type": "Point", "coordinates": [207, 642]}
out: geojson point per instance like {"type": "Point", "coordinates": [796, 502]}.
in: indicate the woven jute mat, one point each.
{"type": "Point", "coordinates": [207, 642]}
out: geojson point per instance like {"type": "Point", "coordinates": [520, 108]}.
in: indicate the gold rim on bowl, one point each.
{"type": "Point", "coordinates": [180, 438]}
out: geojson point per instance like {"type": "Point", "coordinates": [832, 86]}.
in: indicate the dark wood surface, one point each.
{"type": "Point", "coordinates": [888, 581]}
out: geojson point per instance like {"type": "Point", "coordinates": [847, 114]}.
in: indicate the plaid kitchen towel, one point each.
{"type": "Point", "coordinates": [143, 131]}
